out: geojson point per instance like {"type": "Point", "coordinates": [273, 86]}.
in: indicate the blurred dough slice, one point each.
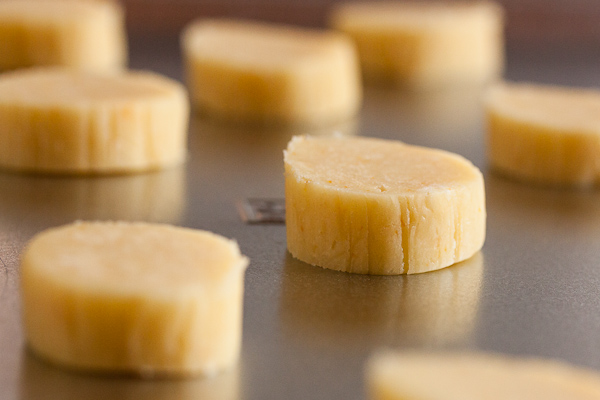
{"type": "Point", "coordinates": [87, 34]}
{"type": "Point", "coordinates": [76, 122]}
{"type": "Point", "coordinates": [427, 44]}
{"type": "Point", "coordinates": [137, 298]}
{"type": "Point", "coordinates": [428, 376]}
{"type": "Point", "coordinates": [544, 134]}
{"type": "Point", "coordinates": [381, 207]}
{"type": "Point", "coordinates": [258, 72]}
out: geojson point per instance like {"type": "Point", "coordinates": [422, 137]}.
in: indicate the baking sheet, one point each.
{"type": "Point", "coordinates": [532, 290]}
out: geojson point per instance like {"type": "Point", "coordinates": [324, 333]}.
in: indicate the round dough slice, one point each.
{"type": "Point", "coordinates": [133, 298]}
{"type": "Point", "coordinates": [455, 376]}
{"type": "Point", "coordinates": [75, 122]}
{"type": "Point", "coordinates": [544, 134]}
{"type": "Point", "coordinates": [425, 44]}
{"type": "Point", "coordinates": [373, 206]}
{"type": "Point", "coordinates": [87, 34]}
{"type": "Point", "coordinates": [269, 73]}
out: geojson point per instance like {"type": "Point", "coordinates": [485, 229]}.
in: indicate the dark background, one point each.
{"type": "Point", "coordinates": [528, 22]}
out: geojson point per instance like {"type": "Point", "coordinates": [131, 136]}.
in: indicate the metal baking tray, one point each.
{"type": "Point", "coordinates": [534, 289]}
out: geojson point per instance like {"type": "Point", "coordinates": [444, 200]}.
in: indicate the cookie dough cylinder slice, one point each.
{"type": "Point", "coordinates": [133, 298]}
{"type": "Point", "coordinates": [425, 45]}
{"type": "Point", "coordinates": [472, 376]}
{"type": "Point", "coordinates": [75, 122]}
{"type": "Point", "coordinates": [373, 206]}
{"type": "Point", "coordinates": [271, 74]}
{"type": "Point", "coordinates": [86, 34]}
{"type": "Point", "coordinates": [544, 134]}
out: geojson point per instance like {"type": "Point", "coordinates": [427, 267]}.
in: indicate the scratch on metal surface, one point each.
{"type": "Point", "coordinates": [3, 276]}
{"type": "Point", "coordinates": [262, 211]}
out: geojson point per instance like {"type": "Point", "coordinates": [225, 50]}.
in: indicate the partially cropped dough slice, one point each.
{"type": "Point", "coordinates": [65, 121]}
{"type": "Point", "coordinates": [133, 298]}
{"type": "Point", "coordinates": [455, 376]}
{"type": "Point", "coordinates": [269, 73]}
{"type": "Point", "coordinates": [426, 44]}
{"type": "Point", "coordinates": [373, 206]}
{"type": "Point", "coordinates": [87, 34]}
{"type": "Point", "coordinates": [544, 134]}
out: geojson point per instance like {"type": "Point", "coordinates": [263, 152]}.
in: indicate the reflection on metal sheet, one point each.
{"type": "Point", "coordinates": [341, 309]}
{"type": "Point", "coordinates": [261, 145]}
{"type": "Point", "coordinates": [517, 205]}
{"type": "Point", "coordinates": [258, 133]}
{"type": "Point", "coordinates": [443, 114]}
{"type": "Point", "coordinates": [39, 380]}
{"type": "Point", "coordinates": [155, 197]}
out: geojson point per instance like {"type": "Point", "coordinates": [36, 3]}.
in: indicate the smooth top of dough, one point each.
{"type": "Point", "coordinates": [376, 165]}
{"type": "Point", "coordinates": [253, 44]}
{"type": "Point", "coordinates": [53, 11]}
{"type": "Point", "coordinates": [454, 376]}
{"type": "Point", "coordinates": [56, 86]}
{"type": "Point", "coordinates": [133, 258]}
{"type": "Point", "coordinates": [422, 15]}
{"type": "Point", "coordinates": [557, 107]}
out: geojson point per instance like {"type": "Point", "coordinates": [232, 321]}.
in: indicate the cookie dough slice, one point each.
{"type": "Point", "coordinates": [87, 34]}
{"type": "Point", "coordinates": [426, 44]}
{"type": "Point", "coordinates": [75, 122]}
{"type": "Point", "coordinates": [133, 298]}
{"type": "Point", "coordinates": [454, 376]}
{"type": "Point", "coordinates": [374, 206]}
{"type": "Point", "coordinates": [259, 72]}
{"type": "Point", "coordinates": [544, 134]}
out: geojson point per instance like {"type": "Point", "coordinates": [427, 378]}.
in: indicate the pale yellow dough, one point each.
{"type": "Point", "coordinates": [75, 122]}
{"type": "Point", "coordinates": [455, 376]}
{"type": "Point", "coordinates": [262, 72]}
{"type": "Point", "coordinates": [87, 34]}
{"type": "Point", "coordinates": [544, 134]}
{"type": "Point", "coordinates": [373, 206]}
{"type": "Point", "coordinates": [426, 44]}
{"type": "Point", "coordinates": [133, 298]}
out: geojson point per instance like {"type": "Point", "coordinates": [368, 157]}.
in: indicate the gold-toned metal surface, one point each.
{"type": "Point", "coordinates": [533, 289]}
{"type": "Point", "coordinates": [339, 309]}
{"type": "Point", "coordinates": [39, 380]}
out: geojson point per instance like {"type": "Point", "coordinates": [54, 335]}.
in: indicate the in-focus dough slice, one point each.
{"type": "Point", "coordinates": [269, 73]}
{"type": "Point", "coordinates": [66, 121]}
{"type": "Point", "coordinates": [373, 206]}
{"type": "Point", "coordinates": [425, 44]}
{"type": "Point", "coordinates": [133, 298]}
{"type": "Point", "coordinates": [455, 376]}
{"type": "Point", "coordinates": [544, 134]}
{"type": "Point", "coordinates": [87, 34]}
